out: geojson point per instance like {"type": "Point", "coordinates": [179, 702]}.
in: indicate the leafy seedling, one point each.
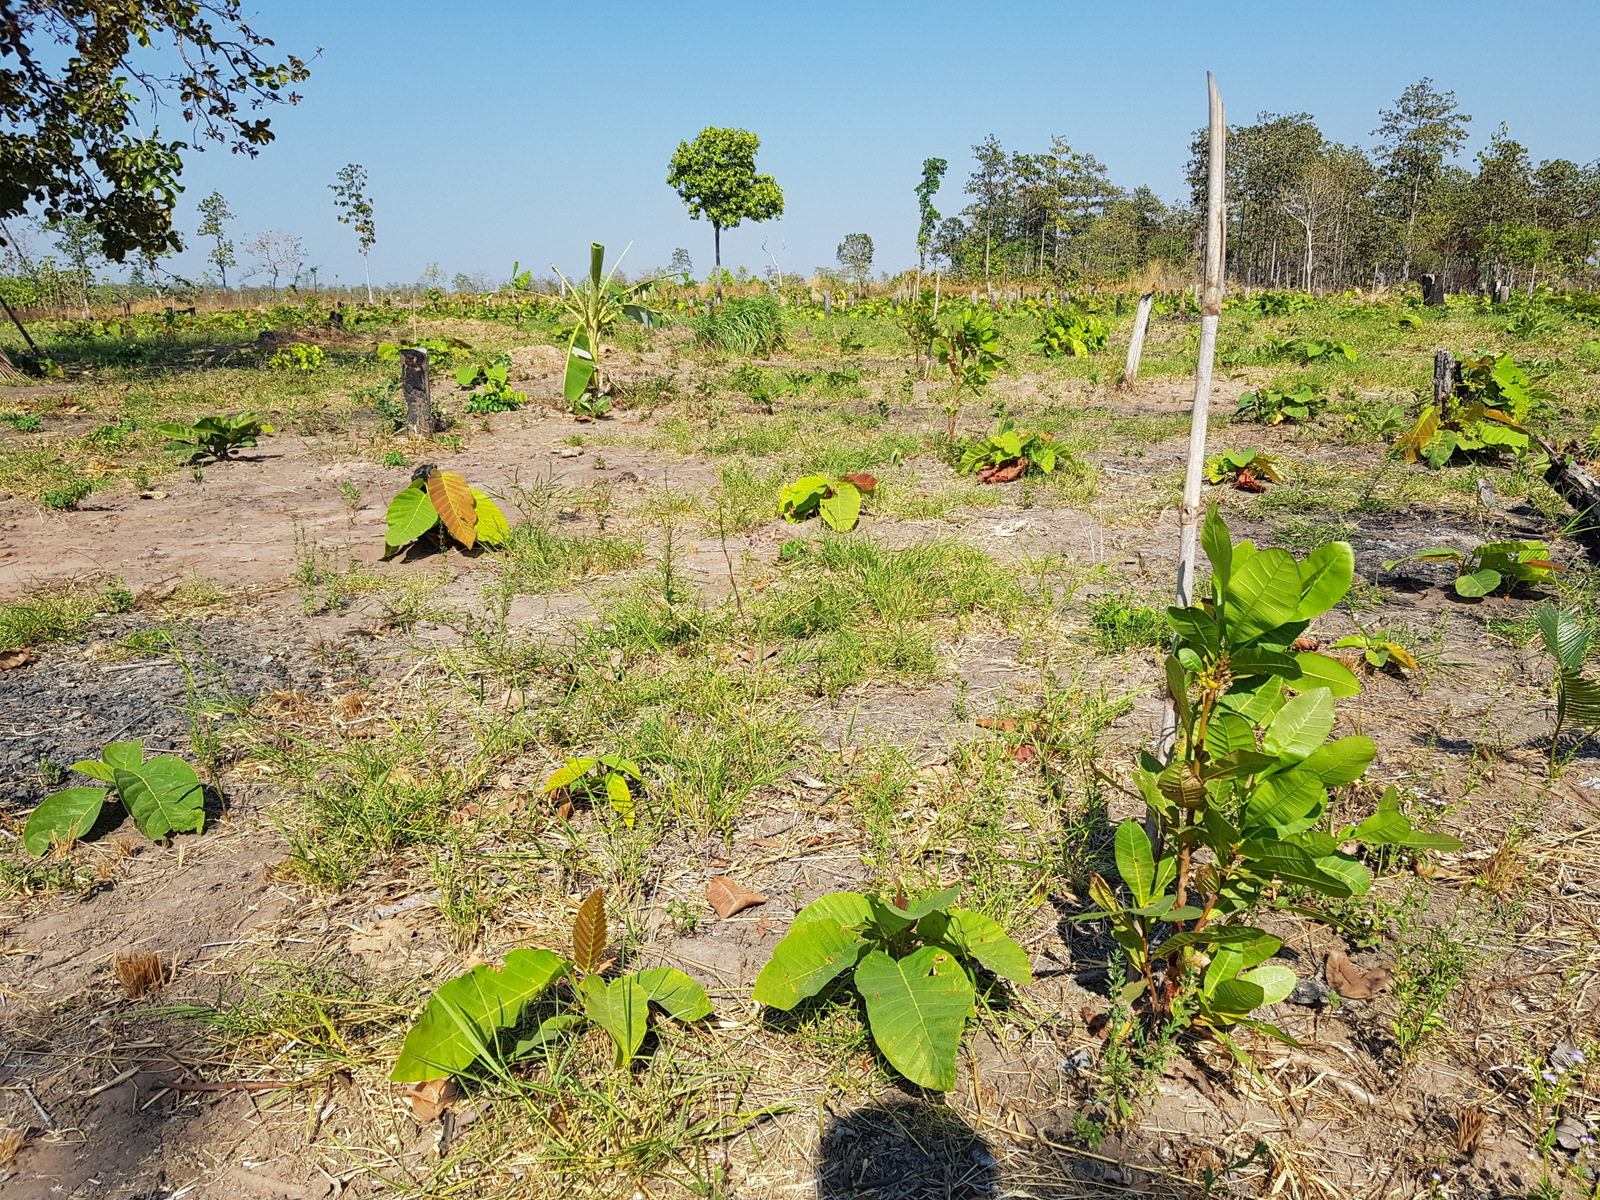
{"type": "Point", "coordinates": [913, 964]}
{"type": "Point", "coordinates": [1245, 469]}
{"type": "Point", "coordinates": [218, 436]}
{"type": "Point", "coordinates": [611, 780]}
{"type": "Point", "coordinates": [164, 796]}
{"type": "Point", "coordinates": [470, 1020]}
{"type": "Point", "coordinates": [1243, 806]}
{"type": "Point", "coordinates": [970, 348]}
{"type": "Point", "coordinates": [1271, 406]}
{"type": "Point", "coordinates": [442, 504]}
{"type": "Point", "coordinates": [497, 394]}
{"type": "Point", "coordinates": [1480, 570]}
{"type": "Point", "coordinates": [1379, 649]}
{"type": "Point", "coordinates": [836, 501]}
{"type": "Point", "coordinates": [1071, 334]}
{"type": "Point", "coordinates": [1309, 350]}
{"type": "Point", "coordinates": [1486, 410]}
{"type": "Point", "coordinates": [1007, 454]}
{"type": "Point", "coordinates": [595, 304]}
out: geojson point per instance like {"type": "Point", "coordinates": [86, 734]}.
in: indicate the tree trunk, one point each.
{"type": "Point", "coordinates": [414, 390]}
{"type": "Point", "coordinates": [366, 263]}
{"type": "Point", "coordinates": [716, 232]}
{"type": "Point", "coordinates": [1141, 322]}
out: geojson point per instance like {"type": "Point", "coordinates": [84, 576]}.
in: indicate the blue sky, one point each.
{"type": "Point", "coordinates": [500, 131]}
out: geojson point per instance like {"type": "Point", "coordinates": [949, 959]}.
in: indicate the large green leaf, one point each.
{"type": "Point", "coordinates": [1196, 627]}
{"type": "Point", "coordinates": [978, 937]}
{"type": "Point", "coordinates": [65, 815]}
{"type": "Point", "coordinates": [1237, 996]}
{"type": "Point", "coordinates": [1320, 671]}
{"type": "Point", "coordinates": [841, 510]}
{"type": "Point", "coordinates": [1212, 935]}
{"type": "Point", "coordinates": [621, 1008]}
{"type": "Point", "coordinates": [1286, 803]}
{"type": "Point", "coordinates": [675, 993]}
{"type": "Point", "coordinates": [1300, 726]}
{"type": "Point", "coordinates": [1393, 828]}
{"type": "Point", "coordinates": [1264, 593]}
{"type": "Point", "coordinates": [580, 366]}
{"type": "Point", "coordinates": [461, 1020]}
{"type": "Point", "coordinates": [1324, 579]}
{"type": "Point", "coordinates": [1272, 858]}
{"type": "Point", "coordinates": [1564, 636]}
{"type": "Point", "coordinates": [1227, 732]}
{"type": "Point", "coordinates": [1351, 872]}
{"type": "Point", "coordinates": [493, 527]}
{"type": "Point", "coordinates": [1479, 583]}
{"type": "Point", "coordinates": [164, 795]}
{"type": "Point", "coordinates": [1136, 861]}
{"type": "Point", "coordinates": [843, 908]}
{"type": "Point", "coordinates": [411, 514]}
{"type": "Point", "coordinates": [1343, 761]}
{"type": "Point", "coordinates": [127, 755]}
{"type": "Point", "coordinates": [809, 957]}
{"type": "Point", "coordinates": [1216, 541]}
{"type": "Point", "coordinates": [1276, 982]}
{"type": "Point", "coordinates": [917, 1007]}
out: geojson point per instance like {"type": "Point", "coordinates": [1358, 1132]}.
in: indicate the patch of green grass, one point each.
{"type": "Point", "coordinates": [537, 557]}
{"type": "Point", "coordinates": [1120, 624]}
{"type": "Point", "coordinates": [50, 615]}
{"type": "Point", "coordinates": [1427, 977]}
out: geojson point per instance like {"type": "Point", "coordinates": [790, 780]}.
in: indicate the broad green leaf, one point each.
{"type": "Point", "coordinates": [1256, 704]}
{"type": "Point", "coordinates": [97, 769]}
{"type": "Point", "coordinates": [1272, 858]}
{"type": "Point", "coordinates": [1320, 671]}
{"type": "Point", "coordinates": [1351, 872]}
{"type": "Point", "coordinates": [164, 795]}
{"type": "Point", "coordinates": [1325, 577]}
{"type": "Point", "coordinates": [932, 902]}
{"type": "Point", "coordinates": [411, 514]}
{"type": "Point", "coordinates": [1256, 661]}
{"type": "Point", "coordinates": [843, 908]}
{"type": "Point", "coordinates": [466, 1013]}
{"type": "Point", "coordinates": [621, 1008]}
{"type": "Point", "coordinates": [1197, 627]}
{"type": "Point", "coordinates": [1564, 637]}
{"type": "Point", "coordinates": [466, 376]}
{"type": "Point", "coordinates": [127, 755]}
{"type": "Point", "coordinates": [674, 993]}
{"type": "Point", "coordinates": [841, 510]}
{"type": "Point", "coordinates": [575, 769]}
{"type": "Point", "coordinates": [981, 938]}
{"type": "Point", "coordinates": [1276, 982]}
{"type": "Point", "coordinates": [1286, 803]}
{"type": "Point", "coordinates": [493, 528]}
{"type": "Point", "coordinates": [1343, 761]}
{"type": "Point", "coordinates": [1392, 828]}
{"type": "Point", "coordinates": [1237, 996]}
{"type": "Point", "coordinates": [65, 816]}
{"type": "Point", "coordinates": [917, 1007]}
{"type": "Point", "coordinates": [619, 795]}
{"type": "Point", "coordinates": [1227, 732]}
{"type": "Point", "coordinates": [1300, 726]}
{"type": "Point", "coordinates": [1135, 860]}
{"type": "Point", "coordinates": [799, 499]}
{"type": "Point", "coordinates": [810, 956]}
{"type": "Point", "coordinates": [1479, 583]}
{"type": "Point", "coordinates": [1264, 594]}
{"type": "Point", "coordinates": [551, 1031]}
{"type": "Point", "coordinates": [1237, 764]}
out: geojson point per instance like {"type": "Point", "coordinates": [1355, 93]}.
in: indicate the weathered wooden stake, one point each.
{"type": "Point", "coordinates": [1141, 322]}
{"type": "Point", "coordinates": [1444, 376]}
{"type": "Point", "coordinates": [1210, 314]}
{"type": "Point", "coordinates": [827, 303]}
{"type": "Point", "coordinates": [414, 390]}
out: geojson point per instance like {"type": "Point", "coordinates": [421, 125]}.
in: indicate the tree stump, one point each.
{"type": "Point", "coordinates": [1433, 290]}
{"type": "Point", "coordinates": [1446, 374]}
{"type": "Point", "coordinates": [414, 390]}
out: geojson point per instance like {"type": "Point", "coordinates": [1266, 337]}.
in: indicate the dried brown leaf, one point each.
{"type": "Point", "coordinates": [1246, 481]}
{"type": "Point", "coordinates": [429, 1100]}
{"type": "Point", "coordinates": [727, 897]}
{"type": "Point", "coordinates": [589, 931]}
{"type": "Point", "coordinates": [862, 480]}
{"type": "Point", "coordinates": [1344, 977]}
{"type": "Point", "coordinates": [11, 1141]}
{"type": "Point", "coordinates": [18, 656]}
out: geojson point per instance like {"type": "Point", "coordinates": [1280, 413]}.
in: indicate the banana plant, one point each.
{"type": "Point", "coordinates": [595, 304]}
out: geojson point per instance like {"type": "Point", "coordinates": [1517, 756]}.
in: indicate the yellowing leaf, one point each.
{"type": "Point", "coordinates": [452, 500]}
{"type": "Point", "coordinates": [621, 797]}
{"type": "Point", "coordinates": [493, 528]}
{"type": "Point", "coordinates": [589, 931]}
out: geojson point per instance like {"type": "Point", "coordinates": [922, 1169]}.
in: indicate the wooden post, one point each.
{"type": "Point", "coordinates": [1141, 322]}
{"type": "Point", "coordinates": [1210, 313]}
{"type": "Point", "coordinates": [1444, 376]}
{"type": "Point", "coordinates": [414, 391]}
{"type": "Point", "coordinates": [827, 303]}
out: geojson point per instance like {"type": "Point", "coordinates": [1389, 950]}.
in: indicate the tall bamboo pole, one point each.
{"type": "Point", "coordinates": [1210, 314]}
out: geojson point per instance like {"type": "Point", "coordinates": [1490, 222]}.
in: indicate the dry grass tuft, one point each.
{"type": "Point", "coordinates": [1469, 1130]}
{"type": "Point", "coordinates": [140, 974]}
{"type": "Point", "coordinates": [11, 1141]}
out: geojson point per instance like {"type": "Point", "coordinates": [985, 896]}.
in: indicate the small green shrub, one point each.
{"type": "Point", "coordinates": [1005, 454]}
{"type": "Point", "coordinates": [1244, 468]}
{"type": "Point", "coordinates": [164, 795]}
{"type": "Point", "coordinates": [301, 356]}
{"type": "Point", "coordinates": [836, 501]}
{"type": "Point", "coordinates": [1271, 406]}
{"type": "Point", "coordinates": [219, 436]}
{"type": "Point", "coordinates": [1072, 334]}
{"type": "Point", "coordinates": [1480, 570]}
{"type": "Point", "coordinates": [1488, 409]}
{"type": "Point", "coordinates": [23, 422]}
{"type": "Point", "coordinates": [441, 503]}
{"type": "Point", "coordinates": [68, 495]}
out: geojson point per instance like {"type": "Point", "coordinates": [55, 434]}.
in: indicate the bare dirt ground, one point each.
{"type": "Point", "coordinates": [119, 1101]}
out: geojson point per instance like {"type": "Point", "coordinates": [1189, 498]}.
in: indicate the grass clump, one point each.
{"type": "Point", "coordinates": [1120, 625]}
{"type": "Point", "coordinates": [51, 615]}
{"type": "Point", "coordinates": [750, 325]}
{"type": "Point", "coordinates": [537, 558]}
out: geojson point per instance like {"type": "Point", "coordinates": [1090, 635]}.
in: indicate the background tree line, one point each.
{"type": "Point", "coordinates": [1303, 211]}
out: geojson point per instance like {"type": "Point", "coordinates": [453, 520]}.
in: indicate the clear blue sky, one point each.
{"type": "Point", "coordinates": [500, 131]}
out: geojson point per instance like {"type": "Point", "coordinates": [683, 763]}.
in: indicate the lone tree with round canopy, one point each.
{"type": "Point", "coordinates": [716, 176]}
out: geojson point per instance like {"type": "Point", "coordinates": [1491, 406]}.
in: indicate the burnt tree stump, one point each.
{"type": "Point", "coordinates": [414, 391]}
